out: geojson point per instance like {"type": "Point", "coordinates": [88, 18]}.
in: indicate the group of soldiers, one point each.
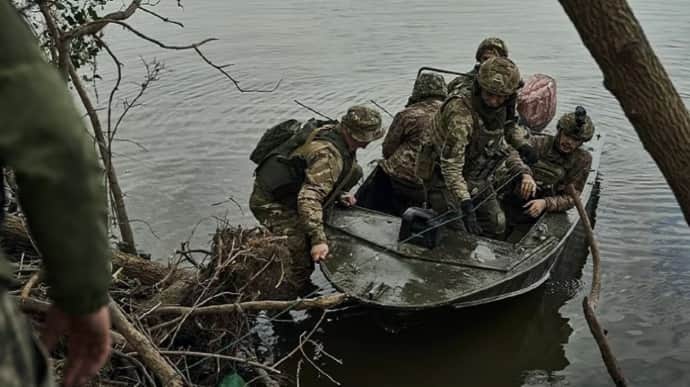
{"type": "Point", "coordinates": [445, 150]}
{"type": "Point", "coordinates": [440, 151]}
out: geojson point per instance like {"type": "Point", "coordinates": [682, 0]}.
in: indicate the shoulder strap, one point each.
{"type": "Point", "coordinates": [336, 191]}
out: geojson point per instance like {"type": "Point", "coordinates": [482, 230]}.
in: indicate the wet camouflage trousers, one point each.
{"type": "Point", "coordinates": [280, 219]}
{"type": "Point", "coordinates": [22, 362]}
{"type": "Point", "coordinates": [490, 214]}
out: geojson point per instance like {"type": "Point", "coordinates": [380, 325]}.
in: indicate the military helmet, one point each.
{"type": "Point", "coordinates": [495, 44]}
{"type": "Point", "coordinates": [576, 124]}
{"type": "Point", "coordinates": [429, 85]}
{"type": "Point", "coordinates": [362, 123]}
{"type": "Point", "coordinates": [499, 76]}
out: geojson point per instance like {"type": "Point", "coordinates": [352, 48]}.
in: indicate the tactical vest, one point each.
{"type": "Point", "coordinates": [282, 173]}
{"type": "Point", "coordinates": [551, 168]}
{"type": "Point", "coordinates": [485, 148]}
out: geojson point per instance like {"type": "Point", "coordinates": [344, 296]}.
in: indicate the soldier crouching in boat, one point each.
{"type": "Point", "coordinates": [464, 145]}
{"type": "Point", "coordinates": [515, 135]}
{"type": "Point", "coordinates": [562, 161]}
{"type": "Point", "coordinates": [293, 187]}
{"type": "Point", "coordinates": [404, 139]}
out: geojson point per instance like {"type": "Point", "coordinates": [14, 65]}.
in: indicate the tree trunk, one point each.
{"type": "Point", "coordinates": [636, 77]}
{"type": "Point", "coordinates": [15, 239]}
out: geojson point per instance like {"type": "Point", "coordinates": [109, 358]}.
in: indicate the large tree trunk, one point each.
{"type": "Point", "coordinates": [636, 77]}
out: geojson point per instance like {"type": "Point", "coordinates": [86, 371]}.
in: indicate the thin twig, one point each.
{"type": "Point", "coordinates": [382, 108]}
{"type": "Point", "coordinates": [137, 363]}
{"type": "Point", "coordinates": [221, 68]}
{"type": "Point", "coordinates": [307, 337]}
{"type": "Point", "coordinates": [320, 348]}
{"type": "Point", "coordinates": [313, 111]}
{"type": "Point", "coordinates": [142, 147]}
{"type": "Point", "coordinates": [26, 290]}
{"type": "Point", "coordinates": [226, 357]}
{"type": "Point", "coordinates": [147, 225]}
{"type": "Point", "coordinates": [313, 364]}
{"type": "Point", "coordinates": [163, 18]}
{"type": "Point", "coordinates": [153, 71]}
{"type": "Point", "coordinates": [299, 370]}
{"type": "Point", "coordinates": [118, 66]}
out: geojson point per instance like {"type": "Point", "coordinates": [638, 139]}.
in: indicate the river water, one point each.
{"type": "Point", "coordinates": [198, 130]}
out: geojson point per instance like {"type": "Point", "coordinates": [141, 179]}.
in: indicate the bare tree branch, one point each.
{"type": "Point", "coordinates": [96, 26]}
{"type": "Point", "coordinates": [237, 84]}
{"type": "Point", "coordinates": [153, 70]}
{"type": "Point", "coordinates": [163, 18]}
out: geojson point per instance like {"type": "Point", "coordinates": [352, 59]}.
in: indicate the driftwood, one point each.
{"type": "Point", "coordinates": [147, 350]}
{"type": "Point", "coordinates": [589, 303]}
{"type": "Point", "coordinates": [183, 326]}
{"type": "Point", "coordinates": [16, 238]}
{"type": "Point", "coordinates": [323, 302]}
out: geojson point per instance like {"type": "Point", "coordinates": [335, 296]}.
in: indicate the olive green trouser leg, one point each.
{"type": "Point", "coordinates": [491, 218]}
{"type": "Point", "coordinates": [22, 362]}
{"type": "Point", "coordinates": [282, 220]}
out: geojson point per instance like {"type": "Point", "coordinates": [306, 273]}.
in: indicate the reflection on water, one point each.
{"type": "Point", "coordinates": [330, 54]}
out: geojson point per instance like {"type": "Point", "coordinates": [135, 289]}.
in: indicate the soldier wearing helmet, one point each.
{"type": "Point", "coordinates": [404, 139]}
{"type": "Point", "coordinates": [515, 135]}
{"type": "Point", "coordinates": [488, 48]}
{"type": "Point", "coordinates": [293, 188]}
{"type": "Point", "coordinates": [562, 161]}
{"type": "Point", "coordinates": [466, 141]}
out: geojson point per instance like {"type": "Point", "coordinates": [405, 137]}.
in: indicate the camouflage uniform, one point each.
{"type": "Point", "coordinates": [300, 216]}
{"type": "Point", "coordinates": [468, 144]}
{"type": "Point", "coordinates": [44, 141]}
{"type": "Point", "coordinates": [404, 139]}
{"type": "Point", "coordinates": [463, 85]}
{"type": "Point", "coordinates": [556, 170]}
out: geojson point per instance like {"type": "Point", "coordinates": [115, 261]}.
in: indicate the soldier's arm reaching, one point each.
{"type": "Point", "coordinates": [323, 169]}
{"type": "Point", "coordinates": [577, 177]}
{"type": "Point", "coordinates": [458, 121]}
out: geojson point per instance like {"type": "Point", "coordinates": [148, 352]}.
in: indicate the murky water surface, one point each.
{"type": "Point", "coordinates": [198, 129]}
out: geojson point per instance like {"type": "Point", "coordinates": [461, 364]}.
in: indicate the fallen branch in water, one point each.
{"type": "Point", "coordinates": [589, 303]}
{"type": "Point", "coordinates": [146, 350]}
{"type": "Point", "coordinates": [323, 302]}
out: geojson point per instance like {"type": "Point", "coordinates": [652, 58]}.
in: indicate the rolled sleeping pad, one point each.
{"type": "Point", "coordinates": [536, 102]}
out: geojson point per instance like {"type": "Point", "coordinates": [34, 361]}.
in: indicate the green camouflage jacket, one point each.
{"type": "Point", "coordinates": [454, 134]}
{"type": "Point", "coordinates": [43, 139]}
{"type": "Point", "coordinates": [324, 166]}
{"type": "Point", "coordinates": [554, 171]}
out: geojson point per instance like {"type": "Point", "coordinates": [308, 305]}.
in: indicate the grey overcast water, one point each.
{"type": "Point", "coordinates": [198, 131]}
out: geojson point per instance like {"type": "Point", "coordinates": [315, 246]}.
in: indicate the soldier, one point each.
{"type": "Point", "coordinates": [562, 161]}
{"type": "Point", "coordinates": [488, 48]}
{"type": "Point", "coordinates": [515, 134]}
{"type": "Point", "coordinates": [44, 141]}
{"type": "Point", "coordinates": [465, 144]}
{"type": "Point", "coordinates": [324, 168]}
{"type": "Point", "coordinates": [404, 139]}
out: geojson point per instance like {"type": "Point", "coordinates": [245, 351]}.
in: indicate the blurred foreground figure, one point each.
{"type": "Point", "coordinates": [43, 140]}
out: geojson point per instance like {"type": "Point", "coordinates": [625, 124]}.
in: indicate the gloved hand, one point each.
{"type": "Point", "coordinates": [528, 154]}
{"type": "Point", "coordinates": [470, 217]}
